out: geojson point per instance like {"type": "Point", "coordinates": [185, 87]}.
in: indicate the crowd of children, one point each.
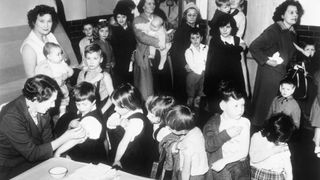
{"type": "Point", "coordinates": [159, 137]}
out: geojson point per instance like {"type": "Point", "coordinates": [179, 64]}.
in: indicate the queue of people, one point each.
{"type": "Point", "coordinates": [140, 85]}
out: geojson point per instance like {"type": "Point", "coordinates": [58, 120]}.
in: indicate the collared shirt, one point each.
{"type": "Point", "coordinates": [196, 58]}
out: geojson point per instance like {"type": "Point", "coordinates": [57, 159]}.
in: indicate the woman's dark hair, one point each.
{"type": "Point", "coordinates": [127, 96]}
{"type": "Point", "coordinates": [282, 8]}
{"type": "Point", "coordinates": [278, 128]}
{"type": "Point", "coordinates": [160, 105]}
{"type": "Point", "coordinates": [180, 118]}
{"type": "Point", "coordinates": [124, 8]}
{"type": "Point", "coordinates": [42, 10]}
{"type": "Point", "coordinates": [225, 19]}
{"type": "Point", "coordinates": [40, 88]}
{"type": "Point", "coordinates": [140, 5]}
{"type": "Point", "coordinates": [84, 91]}
{"type": "Point", "coordinates": [227, 90]}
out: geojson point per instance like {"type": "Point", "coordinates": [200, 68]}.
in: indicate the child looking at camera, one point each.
{"type": "Point", "coordinates": [56, 68]}
{"type": "Point", "coordinates": [196, 57]}
{"type": "Point", "coordinates": [227, 137]}
{"type": "Point", "coordinates": [87, 29]}
{"type": "Point", "coordinates": [286, 103]}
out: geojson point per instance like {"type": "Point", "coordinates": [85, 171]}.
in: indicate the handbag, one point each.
{"type": "Point", "coordinates": [298, 75]}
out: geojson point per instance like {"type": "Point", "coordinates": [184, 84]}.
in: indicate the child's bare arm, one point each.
{"type": "Point", "coordinates": [108, 82]}
{"type": "Point", "coordinates": [68, 145]}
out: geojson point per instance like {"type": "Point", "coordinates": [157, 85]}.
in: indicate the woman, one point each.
{"type": "Point", "coordinates": [25, 128]}
{"type": "Point", "coordinates": [130, 133]}
{"type": "Point", "coordinates": [123, 43]}
{"type": "Point", "coordinates": [181, 41]}
{"type": "Point", "coordinates": [41, 19]}
{"type": "Point", "coordinates": [278, 38]}
{"type": "Point", "coordinates": [142, 72]}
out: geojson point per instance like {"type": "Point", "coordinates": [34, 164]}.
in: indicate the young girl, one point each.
{"type": "Point", "coordinates": [93, 149]}
{"type": "Point", "coordinates": [158, 107]}
{"type": "Point", "coordinates": [131, 132]}
{"type": "Point", "coordinates": [269, 151]}
{"type": "Point", "coordinates": [104, 34]}
{"type": "Point", "coordinates": [224, 63]}
{"type": "Point", "coordinates": [191, 147]}
{"type": "Point", "coordinates": [95, 75]}
{"type": "Point", "coordinates": [227, 137]}
{"type": "Point", "coordinates": [236, 11]}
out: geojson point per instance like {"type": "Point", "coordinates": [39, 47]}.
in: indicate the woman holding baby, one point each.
{"type": "Point", "coordinates": [273, 50]}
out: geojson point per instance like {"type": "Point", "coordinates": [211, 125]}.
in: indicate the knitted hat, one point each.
{"type": "Point", "coordinates": [191, 5]}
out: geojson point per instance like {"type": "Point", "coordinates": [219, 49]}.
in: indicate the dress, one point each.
{"type": "Point", "coordinates": [142, 72]}
{"type": "Point", "coordinates": [22, 142]}
{"type": "Point", "coordinates": [37, 45]}
{"type": "Point", "coordinates": [92, 150]}
{"type": "Point", "coordinates": [223, 63]}
{"type": "Point", "coordinates": [123, 43]}
{"type": "Point", "coordinates": [276, 38]}
{"type": "Point", "coordinates": [315, 109]}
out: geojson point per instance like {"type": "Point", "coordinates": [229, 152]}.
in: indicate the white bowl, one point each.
{"type": "Point", "coordinates": [58, 172]}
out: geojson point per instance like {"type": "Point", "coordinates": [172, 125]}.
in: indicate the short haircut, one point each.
{"type": "Point", "coordinates": [219, 3]}
{"type": "Point", "coordinates": [159, 105]}
{"type": "Point", "coordinates": [41, 10]}
{"type": "Point", "coordinates": [308, 43]}
{"type": "Point", "coordinates": [180, 118]}
{"type": "Point", "coordinates": [287, 81]}
{"type": "Point", "coordinates": [48, 46]}
{"type": "Point", "coordinates": [282, 8]}
{"type": "Point", "coordinates": [84, 91]}
{"type": "Point", "coordinates": [127, 96]}
{"type": "Point", "coordinates": [228, 89]}
{"type": "Point", "coordinates": [278, 128]}
{"type": "Point", "coordinates": [195, 30]}
{"type": "Point", "coordinates": [225, 19]}
{"type": "Point", "coordinates": [40, 88]}
{"type": "Point", "coordinates": [91, 48]}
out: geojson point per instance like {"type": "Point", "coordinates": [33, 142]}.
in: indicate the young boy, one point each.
{"type": "Point", "coordinates": [223, 7]}
{"type": "Point", "coordinates": [56, 68]}
{"type": "Point", "coordinates": [196, 57]}
{"type": "Point", "coordinates": [85, 41]}
{"type": "Point", "coordinates": [156, 29]}
{"type": "Point", "coordinates": [95, 75]}
{"type": "Point", "coordinates": [286, 103]}
{"type": "Point", "coordinates": [227, 138]}
{"type": "Point", "coordinates": [93, 149]}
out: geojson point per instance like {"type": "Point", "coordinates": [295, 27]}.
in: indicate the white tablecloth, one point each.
{"type": "Point", "coordinates": [41, 171]}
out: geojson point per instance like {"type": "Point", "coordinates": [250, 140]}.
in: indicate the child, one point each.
{"type": "Point", "coordinates": [286, 103]}
{"type": "Point", "coordinates": [131, 132]}
{"type": "Point", "coordinates": [238, 15]}
{"type": "Point", "coordinates": [223, 7]}
{"type": "Point", "coordinates": [156, 29]}
{"type": "Point", "coordinates": [158, 107]}
{"type": "Point", "coordinates": [227, 137]}
{"type": "Point", "coordinates": [95, 75]}
{"type": "Point", "coordinates": [94, 148]}
{"type": "Point", "coordinates": [196, 57]}
{"type": "Point", "coordinates": [104, 34]}
{"type": "Point", "coordinates": [191, 146]}
{"type": "Point", "coordinates": [224, 60]}
{"type": "Point", "coordinates": [269, 151]}
{"type": "Point", "coordinates": [56, 68]}
{"type": "Point", "coordinates": [88, 39]}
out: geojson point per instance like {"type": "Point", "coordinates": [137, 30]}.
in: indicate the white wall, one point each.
{"type": "Point", "coordinates": [311, 12]}
{"type": "Point", "coordinates": [13, 12]}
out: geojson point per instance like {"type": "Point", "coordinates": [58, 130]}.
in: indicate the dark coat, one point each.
{"type": "Point", "coordinates": [274, 39]}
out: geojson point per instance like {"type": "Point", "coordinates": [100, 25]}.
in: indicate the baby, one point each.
{"type": "Point", "coordinates": [155, 29]}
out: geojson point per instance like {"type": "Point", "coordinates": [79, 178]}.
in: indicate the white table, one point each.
{"type": "Point", "coordinates": [41, 171]}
